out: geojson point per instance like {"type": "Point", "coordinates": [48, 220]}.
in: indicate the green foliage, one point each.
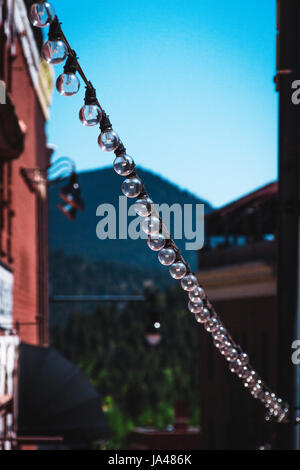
{"type": "Point", "coordinates": [138, 383]}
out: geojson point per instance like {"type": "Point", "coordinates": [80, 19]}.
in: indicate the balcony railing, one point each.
{"type": "Point", "coordinates": [226, 256]}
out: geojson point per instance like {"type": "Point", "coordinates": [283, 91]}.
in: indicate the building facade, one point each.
{"type": "Point", "coordinates": [238, 269]}
{"type": "Point", "coordinates": [27, 84]}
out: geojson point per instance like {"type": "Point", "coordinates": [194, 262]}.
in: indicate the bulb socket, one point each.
{"type": "Point", "coordinates": [90, 95]}
{"type": "Point", "coordinates": [55, 30]}
{"type": "Point", "coordinates": [121, 150]}
{"type": "Point", "coordinates": [105, 123]}
{"type": "Point", "coordinates": [71, 64]}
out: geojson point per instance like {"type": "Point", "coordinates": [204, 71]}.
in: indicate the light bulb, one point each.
{"type": "Point", "coordinates": [220, 341]}
{"type": "Point", "coordinates": [132, 187]}
{"type": "Point", "coordinates": [243, 372]}
{"type": "Point", "coordinates": [197, 294]}
{"type": "Point", "coordinates": [212, 325]}
{"type": "Point", "coordinates": [243, 359]}
{"type": "Point", "coordinates": [41, 14]}
{"type": "Point", "coordinates": [123, 165]}
{"type": "Point", "coordinates": [151, 225]}
{"type": "Point", "coordinates": [203, 315]}
{"type": "Point", "coordinates": [156, 242]}
{"type": "Point", "coordinates": [167, 256]}
{"type": "Point", "coordinates": [234, 367]}
{"type": "Point", "coordinates": [143, 206]}
{"type": "Point", "coordinates": [257, 391]}
{"type": "Point", "coordinates": [189, 282]}
{"type": "Point", "coordinates": [90, 115]}
{"type": "Point", "coordinates": [68, 84]}
{"type": "Point", "coordinates": [54, 52]}
{"type": "Point", "coordinates": [194, 308]}
{"type": "Point", "coordinates": [225, 347]}
{"type": "Point", "coordinates": [251, 377]}
{"type": "Point", "coordinates": [178, 270]}
{"type": "Point", "coordinates": [231, 354]}
{"type": "Point", "coordinates": [108, 140]}
{"type": "Point", "coordinates": [220, 331]}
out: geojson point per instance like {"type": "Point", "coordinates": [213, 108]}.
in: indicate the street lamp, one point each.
{"type": "Point", "coordinates": [38, 179]}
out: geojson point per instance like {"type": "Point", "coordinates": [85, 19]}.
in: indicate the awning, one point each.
{"type": "Point", "coordinates": [56, 399]}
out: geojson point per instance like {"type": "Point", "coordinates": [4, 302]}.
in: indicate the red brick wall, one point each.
{"type": "Point", "coordinates": [24, 231]}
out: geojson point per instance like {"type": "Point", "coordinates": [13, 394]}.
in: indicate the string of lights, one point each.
{"type": "Point", "coordinates": [58, 50]}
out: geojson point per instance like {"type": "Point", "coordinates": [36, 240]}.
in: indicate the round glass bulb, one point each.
{"type": "Point", "coordinates": [189, 282]}
{"type": "Point", "coordinates": [167, 256]}
{"type": "Point", "coordinates": [212, 325]}
{"type": "Point", "coordinates": [203, 315]}
{"type": "Point", "coordinates": [132, 187]}
{"type": "Point", "coordinates": [220, 341]}
{"type": "Point", "coordinates": [234, 367]}
{"type": "Point", "coordinates": [231, 354]}
{"type": "Point", "coordinates": [194, 308]}
{"type": "Point", "coordinates": [156, 242]}
{"type": "Point", "coordinates": [68, 84]}
{"type": "Point", "coordinates": [54, 52]}
{"type": "Point", "coordinates": [108, 140]}
{"type": "Point", "coordinates": [243, 359]}
{"type": "Point", "coordinates": [90, 115]}
{"type": "Point", "coordinates": [197, 294]}
{"type": "Point", "coordinates": [178, 270]}
{"type": "Point", "coordinates": [124, 165]}
{"type": "Point", "coordinates": [142, 206]}
{"type": "Point", "coordinates": [151, 225]}
{"type": "Point", "coordinates": [41, 14]}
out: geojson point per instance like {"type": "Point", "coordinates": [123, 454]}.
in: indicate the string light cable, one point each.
{"type": "Point", "coordinates": [58, 50]}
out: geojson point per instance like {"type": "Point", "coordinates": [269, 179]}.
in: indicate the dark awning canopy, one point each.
{"type": "Point", "coordinates": [56, 399]}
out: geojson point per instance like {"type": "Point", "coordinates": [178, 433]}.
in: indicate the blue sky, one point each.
{"type": "Point", "coordinates": [188, 86]}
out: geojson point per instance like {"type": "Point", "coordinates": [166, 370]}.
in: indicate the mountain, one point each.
{"type": "Point", "coordinates": [104, 187]}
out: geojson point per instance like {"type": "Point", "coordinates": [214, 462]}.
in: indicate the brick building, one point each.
{"type": "Point", "coordinates": [238, 269]}
{"type": "Point", "coordinates": [23, 147]}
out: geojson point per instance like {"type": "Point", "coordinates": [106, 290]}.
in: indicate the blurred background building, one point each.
{"type": "Point", "coordinates": [238, 268]}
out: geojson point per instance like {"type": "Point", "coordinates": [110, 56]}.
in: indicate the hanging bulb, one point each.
{"type": "Point", "coordinates": [156, 242]}
{"type": "Point", "coordinates": [178, 270]}
{"type": "Point", "coordinates": [143, 206]}
{"type": "Point", "coordinates": [197, 294]}
{"type": "Point", "coordinates": [41, 14]}
{"type": "Point", "coordinates": [132, 187]}
{"type": "Point", "coordinates": [234, 367]}
{"type": "Point", "coordinates": [195, 308]}
{"type": "Point", "coordinates": [203, 314]}
{"type": "Point", "coordinates": [68, 83]}
{"type": "Point", "coordinates": [243, 372]}
{"type": "Point", "coordinates": [243, 359]}
{"type": "Point", "coordinates": [151, 225]}
{"type": "Point", "coordinates": [90, 114]}
{"type": "Point", "coordinates": [54, 52]}
{"type": "Point", "coordinates": [108, 140]}
{"type": "Point", "coordinates": [231, 354]}
{"type": "Point", "coordinates": [167, 256]}
{"type": "Point", "coordinates": [220, 341]}
{"type": "Point", "coordinates": [212, 325]}
{"type": "Point", "coordinates": [220, 331]}
{"type": "Point", "coordinates": [124, 165]}
{"type": "Point", "coordinates": [189, 282]}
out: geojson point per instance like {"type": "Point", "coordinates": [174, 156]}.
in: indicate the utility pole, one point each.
{"type": "Point", "coordinates": [288, 71]}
